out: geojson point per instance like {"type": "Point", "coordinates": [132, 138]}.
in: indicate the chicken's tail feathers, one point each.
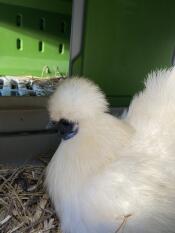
{"type": "Point", "coordinates": [153, 109]}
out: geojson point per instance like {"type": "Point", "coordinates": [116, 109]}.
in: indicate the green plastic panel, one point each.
{"type": "Point", "coordinates": [34, 40]}
{"type": "Point", "coordinates": [123, 40]}
{"type": "Point", "coordinates": [61, 6]}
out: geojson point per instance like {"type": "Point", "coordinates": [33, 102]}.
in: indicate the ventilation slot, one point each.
{"type": "Point", "coordinates": [42, 24]}
{"type": "Point", "coordinates": [19, 20]}
{"type": "Point", "coordinates": [41, 46]}
{"type": "Point", "coordinates": [61, 48]}
{"type": "Point", "coordinates": [19, 44]}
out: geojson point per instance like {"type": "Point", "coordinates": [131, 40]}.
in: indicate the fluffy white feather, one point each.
{"type": "Point", "coordinates": [77, 99]}
{"type": "Point", "coordinates": [115, 175]}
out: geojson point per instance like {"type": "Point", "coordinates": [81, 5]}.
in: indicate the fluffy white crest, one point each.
{"type": "Point", "coordinates": [76, 99]}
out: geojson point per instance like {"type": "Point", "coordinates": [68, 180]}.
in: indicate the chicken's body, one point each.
{"type": "Point", "coordinates": [116, 175]}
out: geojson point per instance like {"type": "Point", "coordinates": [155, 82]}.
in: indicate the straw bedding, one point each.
{"type": "Point", "coordinates": [24, 203]}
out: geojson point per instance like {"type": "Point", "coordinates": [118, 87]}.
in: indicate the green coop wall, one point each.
{"type": "Point", "coordinates": [122, 41]}
{"type": "Point", "coordinates": [34, 37]}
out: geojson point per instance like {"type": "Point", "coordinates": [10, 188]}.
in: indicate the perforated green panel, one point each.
{"type": "Point", "coordinates": [34, 41]}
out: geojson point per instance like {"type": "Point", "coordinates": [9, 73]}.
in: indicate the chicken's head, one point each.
{"type": "Point", "coordinates": [76, 100]}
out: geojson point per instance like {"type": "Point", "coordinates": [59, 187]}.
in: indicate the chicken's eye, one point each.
{"type": "Point", "coordinates": [64, 122]}
{"type": "Point", "coordinates": [67, 129]}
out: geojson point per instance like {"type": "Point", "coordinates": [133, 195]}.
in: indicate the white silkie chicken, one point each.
{"type": "Point", "coordinates": [114, 175]}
